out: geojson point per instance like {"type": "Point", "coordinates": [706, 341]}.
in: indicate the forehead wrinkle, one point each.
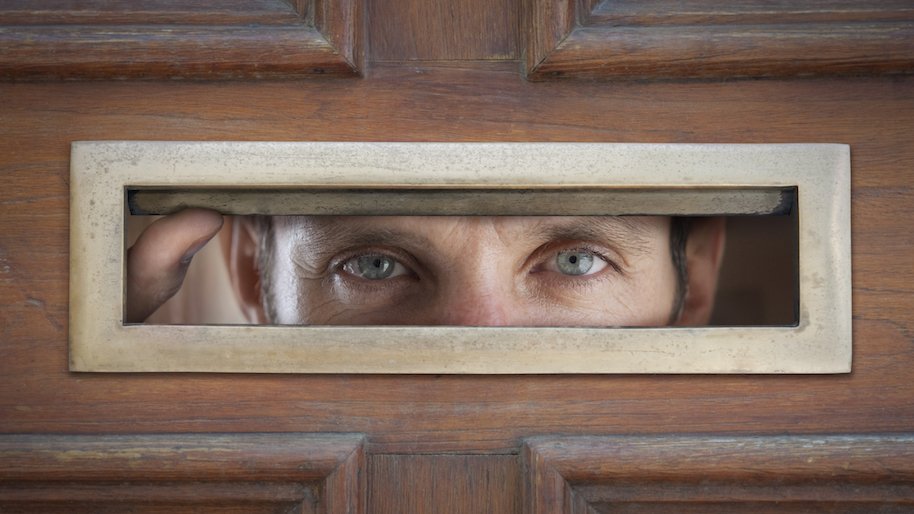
{"type": "Point", "coordinates": [628, 233]}
{"type": "Point", "coordinates": [321, 237]}
{"type": "Point", "coordinates": [317, 238]}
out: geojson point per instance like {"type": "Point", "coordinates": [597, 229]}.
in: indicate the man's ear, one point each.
{"type": "Point", "coordinates": [704, 253]}
{"type": "Point", "coordinates": [241, 247]}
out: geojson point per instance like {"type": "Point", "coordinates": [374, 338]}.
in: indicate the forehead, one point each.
{"type": "Point", "coordinates": [632, 231]}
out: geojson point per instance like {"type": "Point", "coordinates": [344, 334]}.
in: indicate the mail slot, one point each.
{"type": "Point", "coordinates": [465, 258]}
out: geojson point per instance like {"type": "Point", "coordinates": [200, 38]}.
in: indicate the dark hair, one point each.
{"type": "Point", "coordinates": [679, 234]}
{"type": "Point", "coordinates": [264, 226]}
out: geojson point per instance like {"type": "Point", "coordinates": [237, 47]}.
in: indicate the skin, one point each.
{"type": "Point", "coordinates": [470, 271]}
{"type": "Point", "coordinates": [473, 271]}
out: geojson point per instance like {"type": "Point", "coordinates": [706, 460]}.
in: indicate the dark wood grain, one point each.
{"type": "Point", "coordinates": [119, 12]}
{"type": "Point", "coordinates": [719, 474]}
{"type": "Point", "coordinates": [426, 83]}
{"type": "Point", "coordinates": [120, 52]}
{"type": "Point", "coordinates": [754, 12]}
{"type": "Point", "coordinates": [169, 39]}
{"type": "Point", "coordinates": [695, 39]}
{"type": "Point", "coordinates": [342, 25]}
{"type": "Point", "coordinates": [544, 26]}
{"type": "Point", "coordinates": [444, 30]}
{"type": "Point", "coordinates": [432, 414]}
{"type": "Point", "coordinates": [184, 473]}
{"type": "Point", "coordinates": [444, 484]}
{"type": "Point", "coordinates": [731, 52]}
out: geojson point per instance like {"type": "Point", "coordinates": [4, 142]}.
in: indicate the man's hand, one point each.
{"type": "Point", "coordinates": [157, 263]}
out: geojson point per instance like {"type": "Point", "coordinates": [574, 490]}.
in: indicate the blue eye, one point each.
{"type": "Point", "coordinates": [578, 262]}
{"type": "Point", "coordinates": [374, 267]}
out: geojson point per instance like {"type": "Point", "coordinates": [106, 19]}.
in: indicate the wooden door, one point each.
{"type": "Point", "coordinates": [467, 70]}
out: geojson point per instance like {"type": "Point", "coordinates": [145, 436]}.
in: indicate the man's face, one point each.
{"type": "Point", "coordinates": [472, 271]}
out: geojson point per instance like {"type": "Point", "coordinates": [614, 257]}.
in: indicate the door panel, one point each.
{"type": "Point", "coordinates": [302, 473]}
{"type": "Point", "coordinates": [404, 484]}
{"type": "Point", "coordinates": [710, 474]}
{"type": "Point", "coordinates": [454, 443]}
{"type": "Point", "coordinates": [175, 39]}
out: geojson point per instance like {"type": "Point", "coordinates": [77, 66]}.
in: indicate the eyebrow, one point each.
{"type": "Point", "coordinates": [333, 233]}
{"type": "Point", "coordinates": [628, 234]}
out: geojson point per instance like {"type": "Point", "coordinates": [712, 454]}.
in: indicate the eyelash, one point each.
{"type": "Point", "coordinates": [337, 265]}
{"type": "Point", "coordinates": [551, 251]}
{"type": "Point", "coordinates": [540, 257]}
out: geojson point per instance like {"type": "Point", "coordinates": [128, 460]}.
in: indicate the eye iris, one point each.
{"type": "Point", "coordinates": [375, 267]}
{"type": "Point", "coordinates": [574, 263]}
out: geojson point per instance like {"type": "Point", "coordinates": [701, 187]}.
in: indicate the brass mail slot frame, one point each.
{"type": "Point", "coordinates": [812, 178]}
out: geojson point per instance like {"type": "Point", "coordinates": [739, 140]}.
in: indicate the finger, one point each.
{"type": "Point", "coordinates": [157, 263]}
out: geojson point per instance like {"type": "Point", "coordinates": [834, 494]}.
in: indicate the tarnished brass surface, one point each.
{"type": "Point", "coordinates": [101, 172]}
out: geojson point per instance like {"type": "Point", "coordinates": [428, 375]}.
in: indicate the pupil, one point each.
{"type": "Point", "coordinates": [372, 267]}
{"type": "Point", "coordinates": [574, 262]}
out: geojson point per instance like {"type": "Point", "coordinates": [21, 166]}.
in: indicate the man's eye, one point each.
{"type": "Point", "coordinates": [578, 262]}
{"type": "Point", "coordinates": [374, 267]}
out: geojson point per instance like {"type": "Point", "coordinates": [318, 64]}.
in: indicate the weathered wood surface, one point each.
{"type": "Point", "coordinates": [444, 484]}
{"type": "Point", "coordinates": [303, 473]}
{"type": "Point", "coordinates": [122, 52]}
{"type": "Point", "coordinates": [586, 475]}
{"type": "Point", "coordinates": [757, 12]}
{"type": "Point", "coordinates": [659, 39]}
{"type": "Point", "coordinates": [662, 39]}
{"type": "Point", "coordinates": [464, 96]}
{"type": "Point", "coordinates": [435, 30]}
{"type": "Point", "coordinates": [169, 39]}
{"type": "Point", "coordinates": [457, 102]}
{"type": "Point", "coordinates": [150, 12]}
